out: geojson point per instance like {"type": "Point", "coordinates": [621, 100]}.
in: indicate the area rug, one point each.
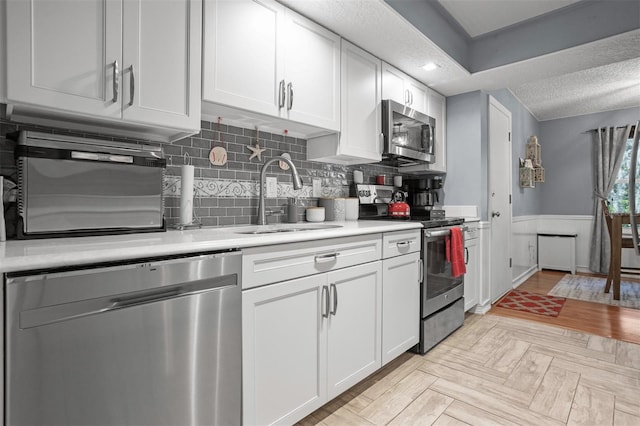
{"type": "Point", "coordinates": [591, 289]}
{"type": "Point", "coordinates": [532, 302]}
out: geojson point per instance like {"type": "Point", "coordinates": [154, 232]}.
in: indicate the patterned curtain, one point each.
{"type": "Point", "coordinates": [608, 149]}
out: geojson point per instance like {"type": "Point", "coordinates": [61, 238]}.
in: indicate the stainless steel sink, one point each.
{"type": "Point", "coordinates": [287, 228]}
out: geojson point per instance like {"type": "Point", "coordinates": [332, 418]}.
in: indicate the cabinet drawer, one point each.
{"type": "Point", "coordinates": [400, 242]}
{"type": "Point", "coordinates": [472, 231]}
{"type": "Point", "coordinates": [270, 264]}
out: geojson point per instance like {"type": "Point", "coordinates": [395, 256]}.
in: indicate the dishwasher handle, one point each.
{"type": "Point", "coordinates": [56, 313]}
{"type": "Point", "coordinates": [150, 297]}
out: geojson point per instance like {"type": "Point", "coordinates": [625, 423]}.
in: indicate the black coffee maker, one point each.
{"type": "Point", "coordinates": [424, 195]}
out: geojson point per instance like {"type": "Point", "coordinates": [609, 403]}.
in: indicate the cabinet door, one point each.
{"type": "Point", "coordinates": [393, 84]}
{"type": "Point", "coordinates": [418, 96]}
{"type": "Point", "coordinates": [242, 58]}
{"type": "Point", "coordinates": [472, 277]}
{"type": "Point", "coordinates": [354, 346]}
{"type": "Point", "coordinates": [284, 353]}
{"type": "Point", "coordinates": [401, 305]}
{"type": "Point", "coordinates": [62, 55]}
{"type": "Point", "coordinates": [438, 110]}
{"type": "Point", "coordinates": [161, 62]}
{"type": "Point", "coordinates": [312, 72]}
{"type": "Point", "coordinates": [361, 104]}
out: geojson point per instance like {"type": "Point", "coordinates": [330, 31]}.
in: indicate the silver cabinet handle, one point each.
{"type": "Point", "coordinates": [324, 258]}
{"type": "Point", "coordinates": [325, 299]}
{"type": "Point", "coordinates": [421, 269]}
{"type": "Point", "coordinates": [410, 98]}
{"type": "Point", "coordinates": [116, 71]}
{"type": "Point", "coordinates": [281, 95]}
{"type": "Point", "coordinates": [466, 256]}
{"type": "Point", "coordinates": [402, 244]}
{"type": "Point", "coordinates": [290, 101]}
{"type": "Point", "coordinates": [132, 86]}
{"type": "Point", "coordinates": [334, 290]}
{"type": "Point", "coordinates": [406, 97]}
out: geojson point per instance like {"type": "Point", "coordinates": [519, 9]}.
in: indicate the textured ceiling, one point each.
{"type": "Point", "coordinates": [560, 84]}
{"type": "Point", "coordinates": [481, 17]}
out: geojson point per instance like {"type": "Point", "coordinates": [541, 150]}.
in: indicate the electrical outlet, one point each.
{"type": "Point", "coordinates": [272, 187]}
{"type": "Point", "coordinates": [317, 188]}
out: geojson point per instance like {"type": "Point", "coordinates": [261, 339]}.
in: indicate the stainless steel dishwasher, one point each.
{"type": "Point", "coordinates": [151, 342]}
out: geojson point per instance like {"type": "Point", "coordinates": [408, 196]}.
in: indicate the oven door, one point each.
{"type": "Point", "coordinates": [439, 287]}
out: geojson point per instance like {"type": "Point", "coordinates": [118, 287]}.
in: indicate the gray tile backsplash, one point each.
{"type": "Point", "coordinates": [228, 194]}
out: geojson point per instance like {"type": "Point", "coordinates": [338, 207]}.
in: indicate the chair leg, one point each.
{"type": "Point", "coordinates": [607, 287]}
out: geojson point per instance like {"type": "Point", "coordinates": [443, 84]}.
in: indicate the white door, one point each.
{"type": "Point", "coordinates": [242, 57]}
{"type": "Point", "coordinates": [312, 71]}
{"type": "Point", "coordinates": [401, 307]}
{"type": "Point", "coordinates": [161, 62]}
{"type": "Point", "coordinates": [63, 55]}
{"type": "Point", "coordinates": [284, 351]}
{"type": "Point", "coordinates": [500, 198]}
{"type": "Point", "coordinates": [354, 348]}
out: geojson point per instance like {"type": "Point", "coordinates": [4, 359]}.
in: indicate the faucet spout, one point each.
{"type": "Point", "coordinates": [297, 184]}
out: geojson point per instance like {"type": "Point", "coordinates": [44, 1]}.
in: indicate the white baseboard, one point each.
{"type": "Point", "coordinates": [525, 276]}
{"type": "Point", "coordinates": [481, 309]}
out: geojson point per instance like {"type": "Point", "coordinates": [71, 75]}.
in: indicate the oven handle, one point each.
{"type": "Point", "coordinates": [438, 233]}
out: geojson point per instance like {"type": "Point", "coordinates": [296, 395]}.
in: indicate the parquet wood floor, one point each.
{"type": "Point", "coordinates": [503, 369]}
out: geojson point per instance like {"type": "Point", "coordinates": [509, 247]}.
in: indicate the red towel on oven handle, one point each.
{"type": "Point", "coordinates": [455, 251]}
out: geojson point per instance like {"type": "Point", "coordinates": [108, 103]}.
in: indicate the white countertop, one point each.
{"type": "Point", "coordinates": [27, 255]}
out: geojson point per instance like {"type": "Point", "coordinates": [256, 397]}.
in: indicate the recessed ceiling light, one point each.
{"type": "Point", "coordinates": [430, 66]}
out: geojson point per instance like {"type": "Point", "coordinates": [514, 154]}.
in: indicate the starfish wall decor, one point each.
{"type": "Point", "coordinates": [256, 151]}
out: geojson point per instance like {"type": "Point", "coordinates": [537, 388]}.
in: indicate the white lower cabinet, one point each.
{"type": "Point", "coordinates": [354, 322]}
{"type": "Point", "coordinates": [307, 340]}
{"type": "Point", "coordinates": [401, 305]}
{"type": "Point", "coordinates": [320, 316]}
{"type": "Point", "coordinates": [284, 351]}
{"type": "Point", "coordinates": [472, 262]}
{"type": "Point", "coordinates": [400, 292]}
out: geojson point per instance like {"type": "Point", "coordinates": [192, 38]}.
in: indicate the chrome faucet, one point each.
{"type": "Point", "coordinates": [297, 184]}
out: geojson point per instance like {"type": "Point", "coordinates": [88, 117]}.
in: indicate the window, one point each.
{"type": "Point", "coordinates": [619, 196]}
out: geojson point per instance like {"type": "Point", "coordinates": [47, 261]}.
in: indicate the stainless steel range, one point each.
{"type": "Point", "coordinates": [441, 294]}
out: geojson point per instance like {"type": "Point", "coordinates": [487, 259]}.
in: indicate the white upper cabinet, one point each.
{"type": "Point", "coordinates": [162, 62]}
{"type": "Point", "coordinates": [132, 62]}
{"type": "Point", "coordinates": [242, 60]}
{"type": "Point", "coordinates": [264, 58]}
{"type": "Point", "coordinates": [58, 62]}
{"type": "Point", "coordinates": [436, 108]}
{"type": "Point", "coordinates": [360, 139]}
{"type": "Point", "coordinates": [403, 89]}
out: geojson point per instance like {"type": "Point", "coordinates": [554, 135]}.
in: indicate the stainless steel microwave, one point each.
{"type": "Point", "coordinates": [70, 186]}
{"type": "Point", "coordinates": [409, 135]}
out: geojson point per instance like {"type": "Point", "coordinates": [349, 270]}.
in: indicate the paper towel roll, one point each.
{"type": "Point", "coordinates": [352, 207]}
{"type": "Point", "coordinates": [186, 195]}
